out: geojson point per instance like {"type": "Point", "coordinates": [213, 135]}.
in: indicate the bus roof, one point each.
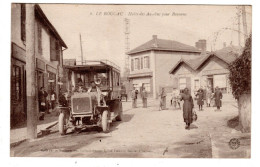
{"type": "Point", "coordinates": [98, 64]}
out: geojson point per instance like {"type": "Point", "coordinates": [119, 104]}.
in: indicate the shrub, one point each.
{"type": "Point", "coordinates": [240, 71]}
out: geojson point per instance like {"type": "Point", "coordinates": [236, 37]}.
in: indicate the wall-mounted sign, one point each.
{"type": "Point", "coordinates": [40, 64]}
{"type": "Point", "coordinates": [60, 83]}
{"type": "Point", "coordinates": [51, 69]}
{"type": "Point", "coordinates": [51, 80]}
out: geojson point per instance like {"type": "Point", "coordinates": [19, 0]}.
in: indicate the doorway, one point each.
{"type": "Point", "coordinates": [210, 82]}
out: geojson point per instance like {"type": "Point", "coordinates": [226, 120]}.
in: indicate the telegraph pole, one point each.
{"type": "Point", "coordinates": [81, 49]}
{"type": "Point", "coordinates": [244, 23]}
{"type": "Point", "coordinates": [30, 73]}
{"type": "Point", "coordinates": [238, 24]}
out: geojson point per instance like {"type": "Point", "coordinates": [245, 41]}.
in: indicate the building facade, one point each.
{"type": "Point", "coordinates": [151, 62]}
{"type": "Point", "coordinates": [49, 58]}
{"type": "Point", "coordinates": [208, 70]}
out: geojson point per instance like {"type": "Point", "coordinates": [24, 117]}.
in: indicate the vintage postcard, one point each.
{"type": "Point", "coordinates": [130, 81]}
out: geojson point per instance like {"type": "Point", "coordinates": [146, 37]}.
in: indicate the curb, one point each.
{"type": "Point", "coordinates": [14, 144]}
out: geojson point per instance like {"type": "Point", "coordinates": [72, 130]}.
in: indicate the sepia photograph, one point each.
{"type": "Point", "coordinates": [130, 80]}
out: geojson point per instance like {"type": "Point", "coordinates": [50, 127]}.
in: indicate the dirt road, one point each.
{"type": "Point", "coordinates": [142, 133]}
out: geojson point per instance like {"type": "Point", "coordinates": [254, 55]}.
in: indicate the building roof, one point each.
{"type": "Point", "coordinates": [45, 20]}
{"type": "Point", "coordinates": [163, 44]}
{"type": "Point", "coordinates": [196, 63]}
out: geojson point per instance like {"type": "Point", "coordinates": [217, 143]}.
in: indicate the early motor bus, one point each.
{"type": "Point", "coordinates": [92, 108]}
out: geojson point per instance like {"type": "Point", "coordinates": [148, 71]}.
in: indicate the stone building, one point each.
{"type": "Point", "coordinates": [151, 62]}
{"type": "Point", "coordinates": [49, 58]}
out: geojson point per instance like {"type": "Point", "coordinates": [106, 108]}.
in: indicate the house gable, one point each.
{"type": "Point", "coordinates": [183, 69]}
{"type": "Point", "coordinates": [213, 63]}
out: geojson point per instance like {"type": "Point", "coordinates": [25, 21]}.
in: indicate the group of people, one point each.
{"type": "Point", "coordinates": [46, 105]}
{"type": "Point", "coordinates": [188, 104]}
{"type": "Point", "coordinates": [209, 96]}
{"type": "Point", "coordinates": [134, 95]}
{"type": "Point", "coordinates": [187, 99]}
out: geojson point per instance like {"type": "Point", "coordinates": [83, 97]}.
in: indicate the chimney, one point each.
{"type": "Point", "coordinates": [155, 44]}
{"type": "Point", "coordinates": [224, 45]}
{"type": "Point", "coordinates": [201, 45]}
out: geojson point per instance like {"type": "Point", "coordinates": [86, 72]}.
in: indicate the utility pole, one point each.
{"type": "Point", "coordinates": [244, 23]}
{"type": "Point", "coordinates": [81, 49]}
{"type": "Point", "coordinates": [127, 43]}
{"type": "Point", "coordinates": [30, 73]}
{"type": "Point", "coordinates": [238, 24]}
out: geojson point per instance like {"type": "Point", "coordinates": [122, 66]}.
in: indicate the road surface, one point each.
{"type": "Point", "coordinates": [142, 133]}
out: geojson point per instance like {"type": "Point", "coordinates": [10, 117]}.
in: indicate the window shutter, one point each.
{"type": "Point", "coordinates": [138, 64]}
{"type": "Point", "coordinates": [57, 49]}
{"type": "Point", "coordinates": [53, 49]}
{"type": "Point", "coordinates": [39, 39]}
{"type": "Point", "coordinates": [132, 65]}
{"type": "Point", "coordinates": [175, 83]}
{"type": "Point", "coordinates": [188, 83]}
{"type": "Point", "coordinates": [148, 62]}
{"type": "Point", "coordinates": [23, 18]}
{"type": "Point", "coordinates": [142, 63]}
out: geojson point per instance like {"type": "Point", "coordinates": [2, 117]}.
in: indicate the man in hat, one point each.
{"type": "Point", "coordinates": [218, 96]}
{"type": "Point", "coordinates": [144, 97]}
{"type": "Point", "coordinates": [134, 98]}
{"type": "Point", "coordinates": [162, 100]}
{"type": "Point", "coordinates": [42, 95]}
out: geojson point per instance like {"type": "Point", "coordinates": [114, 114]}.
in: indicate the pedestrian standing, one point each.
{"type": "Point", "coordinates": [53, 100]}
{"type": "Point", "coordinates": [208, 96]}
{"type": "Point", "coordinates": [144, 98]}
{"type": "Point", "coordinates": [187, 107]}
{"type": "Point", "coordinates": [134, 98]}
{"type": "Point", "coordinates": [163, 100]}
{"type": "Point", "coordinates": [42, 95]}
{"type": "Point", "coordinates": [200, 99]}
{"type": "Point", "coordinates": [218, 97]}
{"type": "Point", "coordinates": [173, 97]}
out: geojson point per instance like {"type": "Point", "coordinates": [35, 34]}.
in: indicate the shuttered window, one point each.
{"type": "Point", "coordinates": [146, 62]}
{"type": "Point", "coordinates": [137, 65]}
{"type": "Point", "coordinates": [53, 49]}
{"type": "Point", "coordinates": [23, 19]}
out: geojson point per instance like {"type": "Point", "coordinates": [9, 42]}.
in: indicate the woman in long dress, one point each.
{"type": "Point", "coordinates": [187, 107]}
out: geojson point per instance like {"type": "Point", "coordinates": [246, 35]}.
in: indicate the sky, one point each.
{"type": "Point", "coordinates": [102, 27]}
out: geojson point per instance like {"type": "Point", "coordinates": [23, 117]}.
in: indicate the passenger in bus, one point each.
{"type": "Point", "coordinates": [95, 98]}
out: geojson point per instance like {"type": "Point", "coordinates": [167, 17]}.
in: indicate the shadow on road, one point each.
{"type": "Point", "coordinates": [192, 126]}
{"type": "Point", "coordinates": [194, 146]}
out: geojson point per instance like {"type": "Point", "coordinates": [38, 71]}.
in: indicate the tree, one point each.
{"type": "Point", "coordinates": [240, 81]}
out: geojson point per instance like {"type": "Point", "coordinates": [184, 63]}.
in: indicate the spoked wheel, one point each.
{"type": "Point", "coordinates": [105, 122]}
{"type": "Point", "coordinates": [62, 129]}
{"type": "Point", "coordinates": [120, 112]}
